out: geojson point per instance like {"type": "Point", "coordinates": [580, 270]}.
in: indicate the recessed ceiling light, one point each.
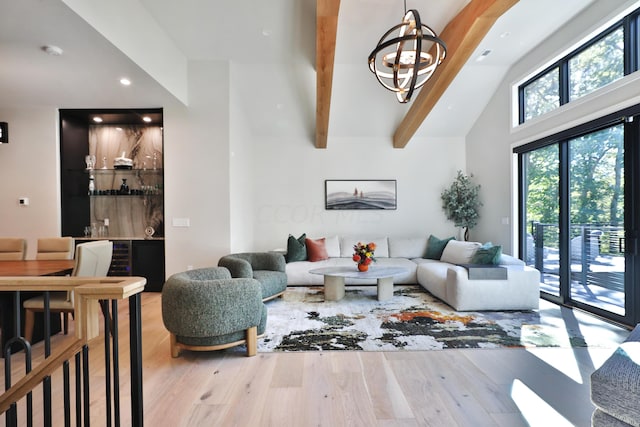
{"type": "Point", "coordinates": [125, 81]}
{"type": "Point", "coordinates": [146, 119]}
{"type": "Point", "coordinates": [505, 35]}
{"type": "Point", "coordinates": [52, 50]}
{"type": "Point", "coordinates": [97, 119]}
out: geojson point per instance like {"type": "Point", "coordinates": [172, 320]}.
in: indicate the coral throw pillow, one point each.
{"type": "Point", "coordinates": [316, 249]}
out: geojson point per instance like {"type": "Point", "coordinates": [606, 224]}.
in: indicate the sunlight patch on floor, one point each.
{"type": "Point", "coordinates": [567, 366]}
{"type": "Point", "coordinates": [534, 409]}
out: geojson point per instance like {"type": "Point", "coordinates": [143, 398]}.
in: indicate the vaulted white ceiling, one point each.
{"type": "Point", "coordinates": [271, 46]}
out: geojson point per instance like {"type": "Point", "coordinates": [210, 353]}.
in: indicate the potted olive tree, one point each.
{"type": "Point", "coordinates": [461, 203]}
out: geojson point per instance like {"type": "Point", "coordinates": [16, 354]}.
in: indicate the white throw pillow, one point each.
{"type": "Point", "coordinates": [457, 252]}
{"type": "Point", "coordinates": [333, 246]}
{"type": "Point", "coordinates": [347, 243]}
{"type": "Point", "coordinates": [407, 247]}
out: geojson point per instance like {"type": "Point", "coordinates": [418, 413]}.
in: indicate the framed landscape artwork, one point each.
{"type": "Point", "coordinates": [349, 194]}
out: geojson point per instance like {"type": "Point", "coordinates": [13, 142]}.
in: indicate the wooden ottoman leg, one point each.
{"type": "Point", "coordinates": [175, 350]}
{"type": "Point", "coordinates": [252, 341]}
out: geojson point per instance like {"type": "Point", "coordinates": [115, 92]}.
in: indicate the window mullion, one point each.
{"type": "Point", "coordinates": [630, 44]}
{"type": "Point", "coordinates": [563, 81]}
{"type": "Point", "coordinates": [521, 104]}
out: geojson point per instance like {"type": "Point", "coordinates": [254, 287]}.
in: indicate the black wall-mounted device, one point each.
{"type": "Point", "coordinates": [4, 133]}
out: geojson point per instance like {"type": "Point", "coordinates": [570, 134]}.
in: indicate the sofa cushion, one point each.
{"type": "Point", "coordinates": [296, 248]}
{"type": "Point", "coordinates": [510, 260]}
{"type": "Point", "coordinates": [348, 242]}
{"type": "Point", "coordinates": [436, 246]}
{"type": "Point", "coordinates": [432, 275]}
{"type": "Point", "coordinates": [332, 244]}
{"type": "Point", "coordinates": [271, 282]}
{"type": "Point", "coordinates": [487, 254]}
{"type": "Point", "coordinates": [407, 247]}
{"type": "Point", "coordinates": [316, 249]}
{"type": "Point", "coordinates": [459, 252]}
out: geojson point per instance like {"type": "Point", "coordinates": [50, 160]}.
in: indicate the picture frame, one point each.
{"type": "Point", "coordinates": [364, 194]}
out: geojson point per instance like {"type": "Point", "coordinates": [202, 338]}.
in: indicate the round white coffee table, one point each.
{"type": "Point", "coordinates": [334, 280]}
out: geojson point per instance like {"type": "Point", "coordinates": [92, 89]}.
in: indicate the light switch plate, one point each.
{"type": "Point", "coordinates": [181, 222]}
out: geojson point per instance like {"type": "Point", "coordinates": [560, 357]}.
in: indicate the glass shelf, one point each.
{"type": "Point", "coordinates": [123, 171]}
{"type": "Point", "coordinates": [127, 195]}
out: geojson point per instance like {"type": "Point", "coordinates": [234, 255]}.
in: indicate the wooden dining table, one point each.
{"type": "Point", "coordinates": [8, 301]}
{"type": "Point", "coordinates": [57, 267]}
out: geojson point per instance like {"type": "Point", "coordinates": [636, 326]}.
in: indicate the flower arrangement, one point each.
{"type": "Point", "coordinates": [363, 255]}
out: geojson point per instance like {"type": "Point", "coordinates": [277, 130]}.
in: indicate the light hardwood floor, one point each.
{"type": "Point", "coordinates": [469, 387]}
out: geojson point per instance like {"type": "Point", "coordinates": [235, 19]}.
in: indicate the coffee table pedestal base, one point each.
{"type": "Point", "coordinates": [334, 280]}
{"type": "Point", "coordinates": [385, 288]}
{"type": "Point", "coordinates": [333, 288]}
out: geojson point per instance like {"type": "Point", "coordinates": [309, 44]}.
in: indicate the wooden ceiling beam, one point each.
{"type": "Point", "coordinates": [326, 30]}
{"type": "Point", "coordinates": [462, 36]}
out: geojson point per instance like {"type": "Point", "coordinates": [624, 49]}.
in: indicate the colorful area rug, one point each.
{"type": "Point", "coordinates": [412, 320]}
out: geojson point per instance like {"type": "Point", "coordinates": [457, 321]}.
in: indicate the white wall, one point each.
{"type": "Point", "coordinates": [241, 172]}
{"type": "Point", "coordinates": [197, 170]}
{"type": "Point", "coordinates": [29, 167]}
{"type": "Point", "coordinates": [490, 143]}
{"type": "Point", "coordinates": [289, 192]}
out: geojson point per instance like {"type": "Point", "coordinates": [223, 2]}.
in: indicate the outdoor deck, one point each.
{"type": "Point", "coordinates": [601, 284]}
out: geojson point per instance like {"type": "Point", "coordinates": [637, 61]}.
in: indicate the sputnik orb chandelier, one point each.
{"type": "Point", "coordinates": [404, 63]}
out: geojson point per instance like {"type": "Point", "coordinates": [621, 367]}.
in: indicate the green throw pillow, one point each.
{"type": "Point", "coordinates": [435, 247]}
{"type": "Point", "coordinates": [296, 248]}
{"type": "Point", "coordinates": [487, 254]}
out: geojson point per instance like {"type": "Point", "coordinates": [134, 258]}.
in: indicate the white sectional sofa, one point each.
{"type": "Point", "coordinates": [446, 278]}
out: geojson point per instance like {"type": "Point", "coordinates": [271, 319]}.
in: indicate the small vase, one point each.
{"type": "Point", "coordinates": [363, 267]}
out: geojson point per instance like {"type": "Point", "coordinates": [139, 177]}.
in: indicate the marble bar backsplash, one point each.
{"type": "Point", "coordinates": [142, 144]}
{"type": "Point", "coordinates": [128, 216]}
{"type": "Point", "coordinates": [128, 213]}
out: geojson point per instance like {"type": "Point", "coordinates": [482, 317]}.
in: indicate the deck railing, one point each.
{"type": "Point", "coordinates": [95, 298]}
{"type": "Point", "coordinates": [591, 245]}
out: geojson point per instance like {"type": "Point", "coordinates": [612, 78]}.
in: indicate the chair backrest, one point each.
{"type": "Point", "coordinates": [12, 249]}
{"type": "Point", "coordinates": [93, 258]}
{"type": "Point", "coordinates": [55, 248]}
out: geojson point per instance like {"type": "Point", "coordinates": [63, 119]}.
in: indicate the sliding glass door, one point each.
{"type": "Point", "coordinates": [541, 169]}
{"type": "Point", "coordinates": [596, 212]}
{"type": "Point", "coordinates": [577, 223]}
